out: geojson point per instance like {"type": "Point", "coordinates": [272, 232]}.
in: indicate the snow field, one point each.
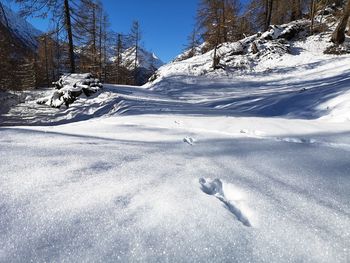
{"type": "Point", "coordinates": [127, 189]}
{"type": "Point", "coordinates": [191, 168]}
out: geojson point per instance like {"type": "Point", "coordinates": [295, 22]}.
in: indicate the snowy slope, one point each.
{"type": "Point", "coordinates": [20, 28]}
{"type": "Point", "coordinates": [312, 86]}
{"type": "Point", "coordinates": [291, 78]}
{"type": "Point", "coordinates": [272, 46]}
{"type": "Point", "coordinates": [213, 167]}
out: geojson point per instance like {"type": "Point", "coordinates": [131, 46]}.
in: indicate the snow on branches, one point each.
{"type": "Point", "coordinates": [69, 88]}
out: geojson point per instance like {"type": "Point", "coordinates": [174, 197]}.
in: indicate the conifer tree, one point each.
{"type": "Point", "coordinates": [55, 8]}
{"type": "Point", "coordinates": [193, 43]}
{"type": "Point", "coordinates": [118, 59]}
{"type": "Point", "coordinates": [135, 39]}
{"type": "Point", "coordinates": [218, 22]}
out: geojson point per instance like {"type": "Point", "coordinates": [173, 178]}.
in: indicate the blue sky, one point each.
{"type": "Point", "coordinates": [165, 24]}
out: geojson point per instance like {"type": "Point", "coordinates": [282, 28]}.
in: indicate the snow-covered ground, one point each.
{"type": "Point", "coordinates": [127, 188]}
{"type": "Point", "coordinates": [212, 168]}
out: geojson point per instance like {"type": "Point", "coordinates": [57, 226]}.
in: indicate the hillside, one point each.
{"type": "Point", "coordinates": [246, 163]}
{"type": "Point", "coordinates": [19, 28]}
{"type": "Point", "coordinates": [289, 77]}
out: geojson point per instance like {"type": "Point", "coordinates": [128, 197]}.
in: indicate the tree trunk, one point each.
{"type": "Point", "coordinates": [94, 26]}
{"type": "Point", "coordinates": [46, 62]}
{"type": "Point", "coordinates": [100, 44]}
{"type": "Point", "coordinates": [58, 54]}
{"type": "Point", "coordinates": [266, 5]}
{"type": "Point", "coordinates": [137, 36]}
{"type": "Point", "coordinates": [312, 10]}
{"type": "Point", "coordinates": [296, 10]}
{"type": "Point", "coordinates": [104, 47]}
{"type": "Point", "coordinates": [136, 49]}
{"type": "Point", "coordinates": [268, 14]}
{"type": "Point", "coordinates": [224, 23]}
{"type": "Point", "coordinates": [70, 36]}
{"type": "Point", "coordinates": [119, 53]}
{"type": "Point", "coordinates": [216, 59]}
{"type": "Point", "coordinates": [338, 36]}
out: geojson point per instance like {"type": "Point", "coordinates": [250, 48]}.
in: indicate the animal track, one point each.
{"type": "Point", "coordinates": [215, 188]}
{"type": "Point", "coordinates": [189, 140]}
{"type": "Point", "coordinates": [253, 133]}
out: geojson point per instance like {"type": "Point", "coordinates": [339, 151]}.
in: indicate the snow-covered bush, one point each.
{"type": "Point", "coordinates": [69, 88]}
{"type": "Point", "coordinates": [286, 31]}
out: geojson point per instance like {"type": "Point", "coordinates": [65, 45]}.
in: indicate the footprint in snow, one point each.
{"type": "Point", "coordinates": [252, 132]}
{"type": "Point", "coordinates": [215, 188]}
{"type": "Point", "coordinates": [189, 140]}
{"type": "Point", "coordinates": [296, 140]}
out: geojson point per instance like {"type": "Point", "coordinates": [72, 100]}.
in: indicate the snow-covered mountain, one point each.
{"type": "Point", "coordinates": [19, 27]}
{"type": "Point", "coordinates": [146, 60]}
{"type": "Point", "coordinates": [147, 63]}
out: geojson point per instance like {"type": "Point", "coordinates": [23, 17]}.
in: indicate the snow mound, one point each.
{"type": "Point", "coordinates": [9, 99]}
{"type": "Point", "coordinates": [190, 53]}
{"type": "Point", "coordinates": [69, 88]}
{"type": "Point", "coordinates": [286, 31]}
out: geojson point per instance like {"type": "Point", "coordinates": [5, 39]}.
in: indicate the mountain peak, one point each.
{"type": "Point", "coordinates": [147, 60]}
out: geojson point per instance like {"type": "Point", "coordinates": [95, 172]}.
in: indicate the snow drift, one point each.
{"type": "Point", "coordinates": [69, 88]}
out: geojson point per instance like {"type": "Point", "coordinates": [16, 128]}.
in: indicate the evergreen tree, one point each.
{"type": "Point", "coordinates": [135, 38]}
{"type": "Point", "coordinates": [193, 43]}
{"type": "Point", "coordinates": [118, 57]}
{"type": "Point", "coordinates": [218, 22]}
{"type": "Point", "coordinates": [57, 8]}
